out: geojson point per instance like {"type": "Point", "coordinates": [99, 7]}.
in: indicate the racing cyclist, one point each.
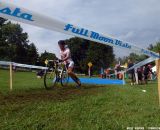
{"type": "Point", "coordinates": [66, 58]}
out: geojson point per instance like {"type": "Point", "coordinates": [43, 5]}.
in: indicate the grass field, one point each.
{"type": "Point", "coordinates": [30, 107]}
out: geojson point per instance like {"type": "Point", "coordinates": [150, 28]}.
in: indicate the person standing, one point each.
{"type": "Point", "coordinates": [131, 72]}
{"type": "Point", "coordinates": [146, 72]}
{"type": "Point", "coordinates": [140, 75]}
{"type": "Point", "coordinates": [116, 70]}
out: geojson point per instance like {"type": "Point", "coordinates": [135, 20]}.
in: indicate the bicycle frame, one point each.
{"type": "Point", "coordinates": [59, 68]}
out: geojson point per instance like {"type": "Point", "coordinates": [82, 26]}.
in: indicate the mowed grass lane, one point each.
{"type": "Point", "coordinates": [21, 81]}
{"type": "Point", "coordinates": [29, 106]}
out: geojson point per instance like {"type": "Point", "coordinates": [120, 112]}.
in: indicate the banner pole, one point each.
{"type": "Point", "coordinates": [136, 76]}
{"type": "Point", "coordinates": [11, 82]}
{"type": "Point", "coordinates": [158, 77]}
{"type": "Point", "coordinates": [123, 78]}
{"type": "Point", "coordinates": [89, 72]}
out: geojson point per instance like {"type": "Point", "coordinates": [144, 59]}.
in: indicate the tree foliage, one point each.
{"type": "Point", "coordinates": [46, 55]}
{"type": "Point", "coordinates": [15, 46]}
{"type": "Point", "coordinates": [137, 58]}
{"type": "Point", "coordinates": [84, 51]}
{"type": "Point", "coordinates": [155, 48]}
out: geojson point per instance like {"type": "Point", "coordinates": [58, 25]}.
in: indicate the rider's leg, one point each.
{"type": "Point", "coordinates": [73, 76]}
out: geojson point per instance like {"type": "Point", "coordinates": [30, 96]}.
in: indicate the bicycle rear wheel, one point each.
{"type": "Point", "coordinates": [64, 78]}
{"type": "Point", "coordinates": [50, 79]}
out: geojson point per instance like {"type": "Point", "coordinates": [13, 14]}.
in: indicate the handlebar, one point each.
{"type": "Point", "coordinates": [56, 61]}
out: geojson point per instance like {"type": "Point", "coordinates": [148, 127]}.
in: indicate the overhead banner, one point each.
{"type": "Point", "coordinates": [13, 12]}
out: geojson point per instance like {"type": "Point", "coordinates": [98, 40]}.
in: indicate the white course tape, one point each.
{"type": "Point", "coordinates": [29, 66]}
{"type": "Point", "coordinates": [22, 65]}
{"type": "Point", "coordinates": [144, 62]}
{"type": "Point", "coordinates": [20, 14]}
{"type": "Point", "coordinates": [5, 63]}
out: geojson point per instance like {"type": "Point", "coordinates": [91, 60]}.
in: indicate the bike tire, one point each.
{"type": "Point", "coordinates": [49, 76]}
{"type": "Point", "coordinates": [64, 78]}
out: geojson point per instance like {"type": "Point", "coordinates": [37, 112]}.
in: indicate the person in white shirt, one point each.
{"type": "Point", "coordinates": [66, 58]}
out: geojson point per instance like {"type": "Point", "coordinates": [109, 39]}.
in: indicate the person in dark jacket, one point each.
{"type": "Point", "coordinates": [140, 75]}
{"type": "Point", "coordinates": [40, 73]}
{"type": "Point", "coordinates": [146, 73]}
{"type": "Point", "coordinates": [131, 72]}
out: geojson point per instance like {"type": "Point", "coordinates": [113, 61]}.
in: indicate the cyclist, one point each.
{"type": "Point", "coordinates": [66, 58]}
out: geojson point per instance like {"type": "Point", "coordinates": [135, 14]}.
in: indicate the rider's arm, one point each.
{"type": "Point", "coordinates": [67, 55]}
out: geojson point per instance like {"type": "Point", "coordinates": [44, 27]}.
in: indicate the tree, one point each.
{"type": "Point", "coordinates": [100, 55]}
{"type": "Point", "coordinates": [32, 54]}
{"type": "Point", "coordinates": [135, 58]}
{"type": "Point", "coordinates": [84, 51]}
{"type": "Point", "coordinates": [2, 39]}
{"type": "Point", "coordinates": [2, 21]}
{"type": "Point", "coordinates": [46, 55]}
{"type": "Point", "coordinates": [14, 44]}
{"type": "Point", "coordinates": [155, 48]}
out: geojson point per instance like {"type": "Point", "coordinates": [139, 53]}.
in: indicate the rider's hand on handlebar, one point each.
{"type": "Point", "coordinates": [59, 60]}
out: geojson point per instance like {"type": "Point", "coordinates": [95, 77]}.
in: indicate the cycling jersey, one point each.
{"type": "Point", "coordinates": [67, 54]}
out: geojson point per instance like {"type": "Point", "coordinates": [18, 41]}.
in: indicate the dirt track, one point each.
{"type": "Point", "coordinates": [35, 95]}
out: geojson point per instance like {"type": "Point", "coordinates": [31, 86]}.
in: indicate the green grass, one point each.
{"type": "Point", "coordinates": [30, 107]}
{"type": "Point", "coordinates": [21, 81]}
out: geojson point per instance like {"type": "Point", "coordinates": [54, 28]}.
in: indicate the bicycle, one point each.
{"type": "Point", "coordinates": [56, 73]}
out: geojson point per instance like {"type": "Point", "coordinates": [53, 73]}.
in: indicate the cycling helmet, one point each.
{"type": "Point", "coordinates": [61, 42]}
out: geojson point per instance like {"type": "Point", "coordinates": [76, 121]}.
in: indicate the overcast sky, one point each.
{"type": "Point", "coordinates": [134, 21]}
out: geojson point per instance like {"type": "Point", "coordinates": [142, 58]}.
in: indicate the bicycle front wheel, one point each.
{"type": "Point", "coordinates": [50, 79]}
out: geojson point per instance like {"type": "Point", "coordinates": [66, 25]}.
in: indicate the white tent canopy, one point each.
{"type": "Point", "coordinates": [154, 69]}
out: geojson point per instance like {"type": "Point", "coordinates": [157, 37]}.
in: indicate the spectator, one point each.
{"type": "Point", "coordinates": [131, 72]}
{"type": "Point", "coordinates": [146, 72]}
{"type": "Point", "coordinates": [107, 71]}
{"type": "Point", "coordinates": [102, 73]}
{"type": "Point", "coordinates": [14, 68]}
{"type": "Point", "coordinates": [140, 75]}
{"type": "Point", "coordinates": [40, 74]}
{"type": "Point", "coordinates": [150, 75]}
{"type": "Point", "coordinates": [117, 69]}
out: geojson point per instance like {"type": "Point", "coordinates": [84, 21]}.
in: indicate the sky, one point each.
{"type": "Point", "coordinates": [134, 21]}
